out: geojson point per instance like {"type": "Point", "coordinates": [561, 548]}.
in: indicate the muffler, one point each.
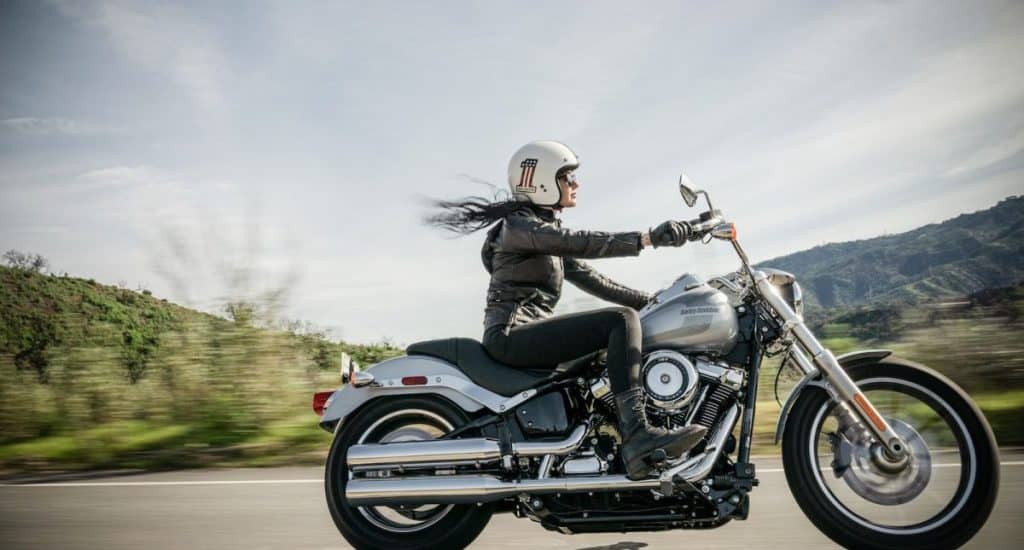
{"type": "Point", "coordinates": [420, 453]}
{"type": "Point", "coordinates": [462, 489]}
{"type": "Point", "coordinates": [452, 452]}
{"type": "Point", "coordinates": [477, 488]}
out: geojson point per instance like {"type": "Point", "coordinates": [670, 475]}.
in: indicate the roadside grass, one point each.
{"type": "Point", "coordinates": [138, 444]}
{"type": "Point", "coordinates": [1002, 410]}
{"type": "Point", "coordinates": [103, 444]}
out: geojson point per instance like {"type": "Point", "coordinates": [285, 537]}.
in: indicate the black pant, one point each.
{"type": "Point", "coordinates": [566, 337]}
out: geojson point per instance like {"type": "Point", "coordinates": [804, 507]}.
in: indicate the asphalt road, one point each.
{"type": "Point", "coordinates": [283, 508]}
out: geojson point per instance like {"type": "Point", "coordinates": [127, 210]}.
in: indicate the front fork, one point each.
{"type": "Point", "coordinates": [842, 388]}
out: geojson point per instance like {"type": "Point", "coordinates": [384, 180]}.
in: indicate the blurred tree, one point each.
{"type": "Point", "coordinates": [26, 261]}
{"type": "Point", "coordinates": [241, 312]}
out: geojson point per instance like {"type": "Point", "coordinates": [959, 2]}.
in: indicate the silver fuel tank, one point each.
{"type": "Point", "coordinates": [689, 316]}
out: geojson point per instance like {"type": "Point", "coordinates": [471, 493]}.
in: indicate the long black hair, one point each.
{"type": "Point", "coordinates": [471, 214]}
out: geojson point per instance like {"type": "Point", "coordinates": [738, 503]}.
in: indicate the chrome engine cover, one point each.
{"type": "Point", "coordinates": [584, 465]}
{"type": "Point", "coordinates": [670, 380]}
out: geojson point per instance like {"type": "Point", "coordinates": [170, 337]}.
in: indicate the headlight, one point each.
{"type": "Point", "coordinates": [795, 298]}
{"type": "Point", "coordinates": [786, 286]}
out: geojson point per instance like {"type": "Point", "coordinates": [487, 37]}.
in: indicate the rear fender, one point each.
{"type": "Point", "coordinates": [846, 360]}
{"type": "Point", "coordinates": [443, 379]}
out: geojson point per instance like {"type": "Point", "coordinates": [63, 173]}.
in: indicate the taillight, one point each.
{"type": "Point", "coordinates": [320, 401]}
{"type": "Point", "coordinates": [414, 380]}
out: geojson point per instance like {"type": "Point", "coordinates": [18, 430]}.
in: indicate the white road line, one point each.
{"type": "Point", "coordinates": [293, 481]}
{"type": "Point", "coordinates": [780, 470]}
{"type": "Point", "coordinates": [161, 483]}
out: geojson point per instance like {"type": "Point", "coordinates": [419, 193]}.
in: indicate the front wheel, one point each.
{"type": "Point", "coordinates": [392, 420]}
{"type": "Point", "coordinates": [938, 495]}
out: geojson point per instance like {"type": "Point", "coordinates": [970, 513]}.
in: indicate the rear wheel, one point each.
{"type": "Point", "coordinates": [937, 496]}
{"type": "Point", "coordinates": [393, 527]}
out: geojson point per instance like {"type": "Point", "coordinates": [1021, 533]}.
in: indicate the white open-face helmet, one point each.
{"type": "Point", "coordinates": [533, 170]}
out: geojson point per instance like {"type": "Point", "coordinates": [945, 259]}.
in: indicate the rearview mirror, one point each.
{"type": "Point", "coordinates": [686, 189]}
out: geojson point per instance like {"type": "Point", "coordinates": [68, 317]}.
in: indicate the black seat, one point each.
{"type": "Point", "coordinates": [471, 358]}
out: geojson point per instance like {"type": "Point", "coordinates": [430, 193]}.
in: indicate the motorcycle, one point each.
{"type": "Point", "coordinates": [878, 451]}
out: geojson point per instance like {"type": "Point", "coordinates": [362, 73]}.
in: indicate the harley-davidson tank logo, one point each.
{"type": "Point", "coordinates": [697, 310]}
{"type": "Point", "coordinates": [526, 176]}
{"type": "Point", "coordinates": [698, 318]}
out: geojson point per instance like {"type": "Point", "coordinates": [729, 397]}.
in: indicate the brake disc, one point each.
{"type": "Point", "coordinates": [876, 477]}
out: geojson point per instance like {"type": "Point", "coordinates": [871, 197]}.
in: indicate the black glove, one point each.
{"type": "Point", "coordinates": [670, 233]}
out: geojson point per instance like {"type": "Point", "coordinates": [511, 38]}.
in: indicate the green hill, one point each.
{"type": "Point", "coordinates": [95, 375]}
{"type": "Point", "coordinates": [39, 315]}
{"type": "Point", "coordinates": [42, 315]}
{"type": "Point", "coordinates": [940, 261]}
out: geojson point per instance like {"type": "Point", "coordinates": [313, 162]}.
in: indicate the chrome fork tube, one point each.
{"type": "Point", "coordinates": [845, 390]}
{"type": "Point", "coordinates": [801, 361]}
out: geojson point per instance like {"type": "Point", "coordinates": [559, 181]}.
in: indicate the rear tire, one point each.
{"type": "Point", "coordinates": [955, 524]}
{"type": "Point", "coordinates": [454, 527]}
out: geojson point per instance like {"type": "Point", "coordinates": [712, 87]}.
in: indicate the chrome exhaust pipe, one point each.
{"type": "Point", "coordinates": [557, 448]}
{"type": "Point", "coordinates": [477, 488]}
{"type": "Point", "coordinates": [463, 489]}
{"type": "Point", "coordinates": [377, 456]}
{"type": "Point", "coordinates": [451, 452]}
{"type": "Point", "coordinates": [698, 467]}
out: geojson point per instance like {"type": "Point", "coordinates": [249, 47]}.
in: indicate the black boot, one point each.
{"type": "Point", "coordinates": [640, 439]}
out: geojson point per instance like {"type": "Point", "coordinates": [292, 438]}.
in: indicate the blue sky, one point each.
{"type": "Point", "coordinates": [207, 151]}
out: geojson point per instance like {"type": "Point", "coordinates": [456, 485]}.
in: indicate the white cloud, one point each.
{"type": "Point", "coordinates": [990, 155]}
{"type": "Point", "coordinates": [164, 40]}
{"type": "Point", "coordinates": [50, 126]}
{"type": "Point", "coordinates": [117, 176]}
{"type": "Point", "coordinates": [49, 230]}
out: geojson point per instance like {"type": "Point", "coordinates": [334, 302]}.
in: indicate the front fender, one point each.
{"type": "Point", "coordinates": [846, 360]}
{"type": "Point", "coordinates": [443, 379]}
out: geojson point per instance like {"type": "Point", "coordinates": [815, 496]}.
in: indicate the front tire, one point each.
{"type": "Point", "coordinates": [390, 528]}
{"type": "Point", "coordinates": [971, 491]}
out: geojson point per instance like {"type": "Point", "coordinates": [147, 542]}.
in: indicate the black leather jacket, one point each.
{"type": "Point", "coordinates": [529, 253]}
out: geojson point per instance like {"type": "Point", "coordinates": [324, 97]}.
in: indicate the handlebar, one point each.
{"type": "Point", "coordinates": [712, 223]}
{"type": "Point", "coordinates": [707, 221]}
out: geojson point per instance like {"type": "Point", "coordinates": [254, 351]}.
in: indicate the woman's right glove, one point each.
{"type": "Point", "coordinates": [670, 233]}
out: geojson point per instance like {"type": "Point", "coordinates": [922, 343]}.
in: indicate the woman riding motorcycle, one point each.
{"type": "Point", "coordinates": [528, 254]}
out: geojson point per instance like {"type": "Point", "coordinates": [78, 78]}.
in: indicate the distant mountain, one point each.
{"type": "Point", "coordinates": [957, 257]}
